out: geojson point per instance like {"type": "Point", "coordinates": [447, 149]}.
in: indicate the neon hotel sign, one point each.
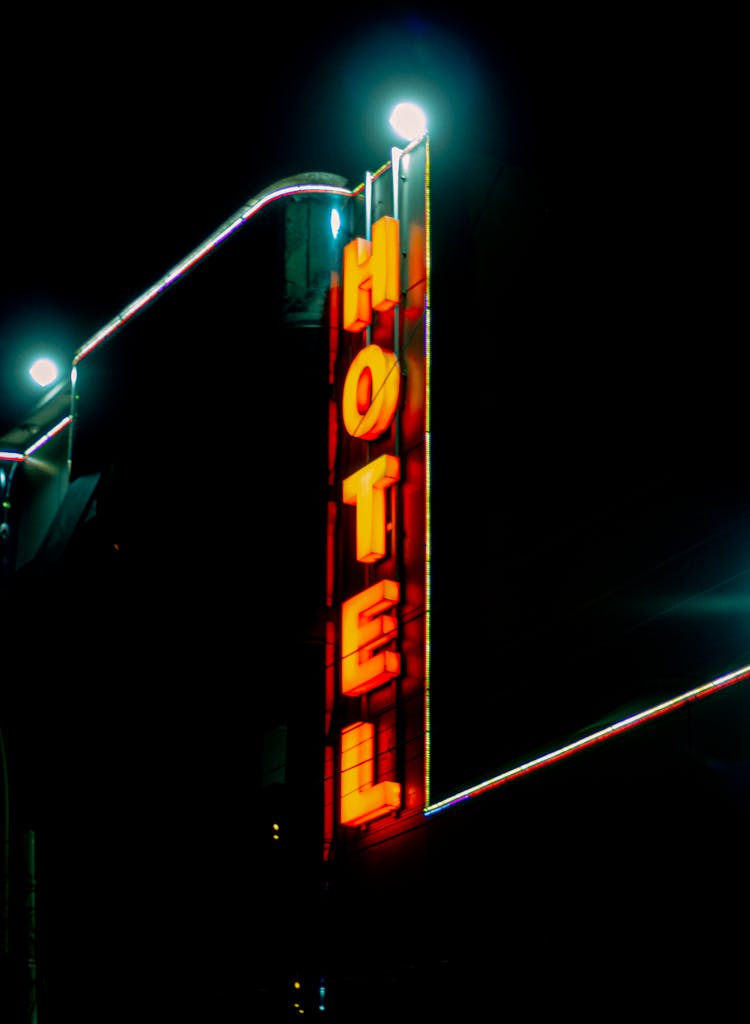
{"type": "Point", "coordinates": [374, 623]}
{"type": "Point", "coordinates": [369, 654]}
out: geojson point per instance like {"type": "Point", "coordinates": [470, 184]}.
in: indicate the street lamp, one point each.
{"type": "Point", "coordinates": [43, 372]}
{"type": "Point", "coordinates": [409, 121]}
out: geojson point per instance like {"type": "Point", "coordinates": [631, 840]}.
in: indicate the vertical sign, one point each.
{"type": "Point", "coordinates": [377, 609]}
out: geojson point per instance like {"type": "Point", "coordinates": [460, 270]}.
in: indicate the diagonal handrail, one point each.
{"type": "Point", "coordinates": [301, 184]}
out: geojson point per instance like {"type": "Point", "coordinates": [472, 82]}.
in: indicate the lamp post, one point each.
{"type": "Point", "coordinates": [5, 851]}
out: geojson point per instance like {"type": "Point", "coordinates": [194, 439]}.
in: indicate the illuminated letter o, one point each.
{"type": "Point", "coordinates": [371, 392]}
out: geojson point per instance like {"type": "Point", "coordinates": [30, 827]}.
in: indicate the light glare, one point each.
{"type": "Point", "coordinates": [408, 120]}
{"type": "Point", "coordinates": [335, 222]}
{"type": "Point", "coordinates": [43, 372]}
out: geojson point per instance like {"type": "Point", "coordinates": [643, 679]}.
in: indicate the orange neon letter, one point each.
{"type": "Point", "coordinates": [366, 489]}
{"type": "Point", "coordinates": [371, 391]}
{"type": "Point", "coordinates": [361, 798]}
{"type": "Point", "coordinates": [371, 274]}
{"type": "Point", "coordinates": [364, 628]}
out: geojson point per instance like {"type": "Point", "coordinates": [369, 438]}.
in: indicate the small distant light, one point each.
{"type": "Point", "coordinates": [43, 372]}
{"type": "Point", "coordinates": [408, 120]}
{"type": "Point", "coordinates": [335, 222]}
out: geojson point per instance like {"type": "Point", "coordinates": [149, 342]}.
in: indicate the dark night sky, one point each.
{"type": "Point", "coordinates": [124, 146]}
{"type": "Point", "coordinates": [126, 143]}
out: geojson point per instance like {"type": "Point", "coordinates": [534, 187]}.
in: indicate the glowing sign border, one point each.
{"type": "Point", "coordinates": [624, 725]}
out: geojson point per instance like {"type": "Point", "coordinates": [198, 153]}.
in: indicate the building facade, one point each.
{"type": "Point", "coordinates": [381, 664]}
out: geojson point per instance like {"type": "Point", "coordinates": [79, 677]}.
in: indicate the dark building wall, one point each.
{"type": "Point", "coordinates": [567, 889]}
{"type": "Point", "coordinates": [176, 620]}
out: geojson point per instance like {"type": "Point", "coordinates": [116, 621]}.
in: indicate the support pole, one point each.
{"type": "Point", "coordinates": [31, 1000]}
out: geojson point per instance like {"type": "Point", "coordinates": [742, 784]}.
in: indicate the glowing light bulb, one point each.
{"type": "Point", "coordinates": [408, 120]}
{"type": "Point", "coordinates": [43, 372]}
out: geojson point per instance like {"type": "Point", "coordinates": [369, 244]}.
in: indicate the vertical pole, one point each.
{"type": "Point", "coordinates": [5, 852]}
{"type": "Point", "coordinates": [30, 841]}
{"type": "Point", "coordinates": [396, 213]}
{"type": "Point", "coordinates": [427, 467]}
{"type": "Point", "coordinates": [6, 534]}
{"type": "Point", "coordinates": [368, 233]}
